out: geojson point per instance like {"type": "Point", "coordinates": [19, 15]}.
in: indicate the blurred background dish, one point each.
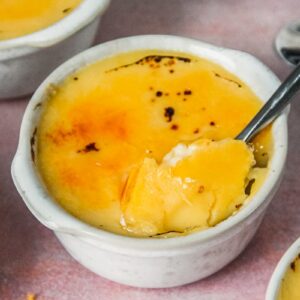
{"type": "Point", "coordinates": [287, 43]}
{"type": "Point", "coordinates": [26, 60]}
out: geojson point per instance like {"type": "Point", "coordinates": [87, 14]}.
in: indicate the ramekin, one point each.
{"type": "Point", "coordinates": [143, 262]}
{"type": "Point", "coordinates": [27, 60]}
{"type": "Point", "coordinates": [280, 270]}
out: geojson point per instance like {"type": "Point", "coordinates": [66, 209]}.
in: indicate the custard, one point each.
{"type": "Point", "coordinates": [290, 285]}
{"type": "Point", "coordinates": [187, 192]}
{"type": "Point", "coordinates": [142, 144]}
{"type": "Point", "coordinates": [22, 17]}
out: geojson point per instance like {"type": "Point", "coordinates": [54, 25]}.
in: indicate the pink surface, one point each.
{"type": "Point", "coordinates": [31, 258]}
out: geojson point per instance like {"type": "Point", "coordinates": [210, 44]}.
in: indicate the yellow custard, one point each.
{"type": "Point", "coordinates": [113, 140]}
{"type": "Point", "coordinates": [290, 286]}
{"type": "Point", "coordinates": [187, 191]}
{"type": "Point", "coordinates": [21, 17]}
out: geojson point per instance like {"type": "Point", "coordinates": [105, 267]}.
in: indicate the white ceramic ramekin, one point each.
{"type": "Point", "coordinates": [280, 270]}
{"type": "Point", "coordinates": [151, 262]}
{"type": "Point", "coordinates": [27, 60]}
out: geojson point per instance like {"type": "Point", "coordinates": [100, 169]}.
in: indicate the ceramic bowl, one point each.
{"type": "Point", "coordinates": [280, 270]}
{"type": "Point", "coordinates": [27, 60]}
{"type": "Point", "coordinates": [149, 262]}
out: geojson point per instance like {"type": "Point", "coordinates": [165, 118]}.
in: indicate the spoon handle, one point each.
{"type": "Point", "coordinates": [278, 101]}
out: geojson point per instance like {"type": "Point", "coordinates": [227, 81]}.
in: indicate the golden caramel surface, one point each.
{"type": "Point", "coordinates": [120, 117]}
{"type": "Point", "coordinates": [21, 17]}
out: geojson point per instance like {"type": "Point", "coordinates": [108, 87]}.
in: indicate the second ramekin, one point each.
{"type": "Point", "coordinates": [280, 270]}
{"type": "Point", "coordinates": [27, 60]}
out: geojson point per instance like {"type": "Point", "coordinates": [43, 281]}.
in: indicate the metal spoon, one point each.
{"type": "Point", "coordinates": [273, 107]}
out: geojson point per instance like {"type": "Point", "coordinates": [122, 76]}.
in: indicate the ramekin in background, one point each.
{"type": "Point", "coordinates": [280, 271]}
{"type": "Point", "coordinates": [152, 262]}
{"type": "Point", "coordinates": [27, 60]}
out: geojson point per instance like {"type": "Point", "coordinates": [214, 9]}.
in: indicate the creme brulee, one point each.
{"type": "Point", "coordinates": [290, 285]}
{"type": "Point", "coordinates": [142, 144]}
{"type": "Point", "coordinates": [21, 17]}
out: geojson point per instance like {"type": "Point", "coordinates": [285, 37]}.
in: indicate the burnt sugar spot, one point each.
{"type": "Point", "coordinates": [227, 79]}
{"type": "Point", "coordinates": [249, 186]}
{"type": "Point", "coordinates": [187, 92]}
{"type": "Point", "coordinates": [293, 266]}
{"type": "Point", "coordinates": [89, 148]}
{"type": "Point", "coordinates": [32, 144]}
{"type": "Point", "coordinates": [67, 10]}
{"type": "Point", "coordinates": [158, 59]}
{"type": "Point", "coordinates": [169, 113]}
{"type": "Point", "coordinates": [154, 61]}
{"type": "Point", "coordinates": [159, 93]}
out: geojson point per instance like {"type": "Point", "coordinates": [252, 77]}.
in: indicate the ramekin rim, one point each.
{"type": "Point", "coordinates": [67, 68]}
{"type": "Point", "coordinates": [79, 17]}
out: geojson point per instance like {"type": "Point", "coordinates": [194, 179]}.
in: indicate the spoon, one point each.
{"type": "Point", "coordinates": [273, 107]}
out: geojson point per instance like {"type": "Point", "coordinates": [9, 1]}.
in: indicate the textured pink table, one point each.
{"type": "Point", "coordinates": [32, 260]}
